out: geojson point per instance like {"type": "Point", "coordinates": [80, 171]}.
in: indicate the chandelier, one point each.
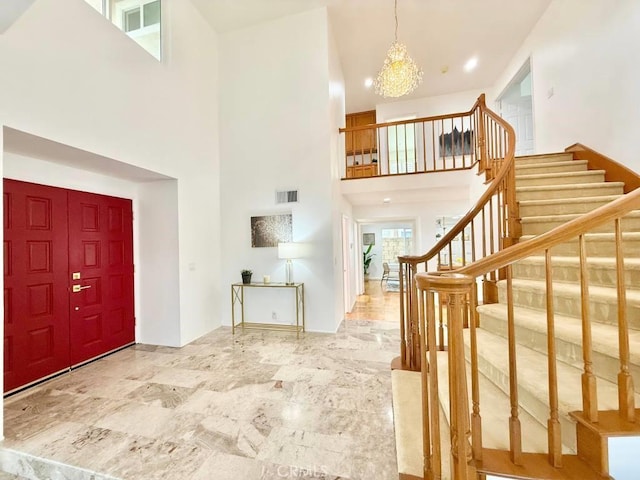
{"type": "Point", "coordinates": [399, 75]}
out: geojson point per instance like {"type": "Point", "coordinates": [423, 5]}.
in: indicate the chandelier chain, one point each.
{"type": "Point", "coordinates": [395, 11]}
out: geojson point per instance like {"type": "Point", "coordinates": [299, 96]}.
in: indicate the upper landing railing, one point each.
{"type": "Point", "coordinates": [430, 144]}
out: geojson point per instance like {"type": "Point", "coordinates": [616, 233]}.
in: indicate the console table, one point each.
{"type": "Point", "coordinates": [237, 297]}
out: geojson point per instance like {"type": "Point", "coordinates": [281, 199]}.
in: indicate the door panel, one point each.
{"type": "Point", "coordinates": [36, 301]}
{"type": "Point", "coordinates": [101, 251]}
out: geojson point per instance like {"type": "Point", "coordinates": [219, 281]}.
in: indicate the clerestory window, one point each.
{"type": "Point", "coordinates": [139, 19]}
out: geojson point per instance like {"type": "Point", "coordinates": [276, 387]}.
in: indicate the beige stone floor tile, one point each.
{"type": "Point", "coordinates": [260, 405]}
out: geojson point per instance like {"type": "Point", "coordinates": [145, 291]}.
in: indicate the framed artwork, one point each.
{"type": "Point", "coordinates": [368, 238]}
{"type": "Point", "coordinates": [269, 230]}
{"type": "Point", "coordinates": [455, 143]}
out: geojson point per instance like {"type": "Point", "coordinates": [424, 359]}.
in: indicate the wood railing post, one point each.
{"type": "Point", "coordinates": [482, 137]}
{"type": "Point", "coordinates": [626, 397]}
{"type": "Point", "coordinates": [415, 333]}
{"type": "Point", "coordinates": [457, 288]}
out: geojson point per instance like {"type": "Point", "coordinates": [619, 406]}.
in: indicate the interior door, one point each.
{"type": "Point", "coordinates": [36, 301]}
{"type": "Point", "coordinates": [101, 273]}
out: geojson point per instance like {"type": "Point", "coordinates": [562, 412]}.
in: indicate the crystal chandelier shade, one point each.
{"type": "Point", "coordinates": [399, 75]}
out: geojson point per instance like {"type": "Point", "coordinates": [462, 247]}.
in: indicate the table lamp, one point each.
{"type": "Point", "coordinates": [288, 251]}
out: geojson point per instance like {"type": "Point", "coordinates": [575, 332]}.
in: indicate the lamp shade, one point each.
{"type": "Point", "coordinates": [290, 250]}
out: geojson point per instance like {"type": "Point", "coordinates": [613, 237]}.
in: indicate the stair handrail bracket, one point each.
{"type": "Point", "coordinates": [490, 225]}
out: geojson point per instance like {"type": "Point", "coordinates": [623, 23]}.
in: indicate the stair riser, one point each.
{"type": "Point", "coordinates": [603, 275]}
{"type": "Point", "coordinates": [561, 208]}
{"type": "Point", "coordinates": [562, 157]}
{"type": "Point", "coordinates": [526, 399]}
{"type": "Point", "coordinates": [569, 192]}
{"type": "Point", "coordinates": [606, 364]}
{"type": "Point", "coordinates": [560, 168]}
{"type": "Point", "coordinates": [601, 309]}
{"type": "Point", "coordinates": [586, 177]}
{"type": "Point", "coordinates": [629, 224]}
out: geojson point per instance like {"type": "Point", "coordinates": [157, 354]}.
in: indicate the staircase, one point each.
{"type": "Point", "coordinates": [551, 190]}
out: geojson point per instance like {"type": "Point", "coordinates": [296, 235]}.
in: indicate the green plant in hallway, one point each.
{"type": "Point", "coordinates": [367, 256]}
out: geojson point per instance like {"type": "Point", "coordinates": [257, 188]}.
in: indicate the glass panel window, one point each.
{"type": "Point", "coordinates": [131, 19]}
{"type": "Point", "coordinates": [151, 13]}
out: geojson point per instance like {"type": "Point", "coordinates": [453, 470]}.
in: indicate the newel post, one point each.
{"type": "Point", "coordinates": [482, 137]}
{"type": "Point", "coordinates": [456, 288]}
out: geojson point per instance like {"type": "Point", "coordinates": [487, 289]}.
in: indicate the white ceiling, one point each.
{"type": "Point", "coordinates": [438, 33]}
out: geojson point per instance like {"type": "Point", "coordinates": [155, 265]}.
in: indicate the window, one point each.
{"type": "Point", "coordinates": [139, 19]}
{"type": "Point", "coordinates": [402, 147]}
{"type": "Point", "coordinates": [131, 19]}
{"type": "Point", "coordinates": [396, 242]}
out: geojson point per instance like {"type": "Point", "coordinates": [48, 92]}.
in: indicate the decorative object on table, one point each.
{"type": "Point", "coordinates": [368, 238]}
{"type": "Point", "coordinates": [367, 257]}
{"type": "Point", "coordinates": [266, 278]}
{"type": "Point", "coordinates": [288, 251]}
{"type": "Point", "coordinates": [246, 276]}
{"type": "Point", "coordinates": [399, 75]}
{"type": "Point", "coordinates": [269, 230]}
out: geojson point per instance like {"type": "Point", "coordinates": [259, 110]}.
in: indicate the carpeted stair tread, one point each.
{"type": "Point", "coordinates": [533, 386]}
{"type": "Point", "coordinates": [602, 270]}
{"type": "Point", "coordinates": [406, 389]}
{"type": "Point", "coordinates": [531, 331]}
{"type": "Point", "coordinates": [602, 300]}
{"type": "Point", "coordinates": [560, 178]}
{"type": "Point", "coordinates": [555, 201]}
{"type": "Point", "coordinates": [558, 206]}
{"type": "Point", "coordinates": [556, 167]}
{"type": "Point", "coordinates": [495, 431]}
{"type": "Point", "coordinates": [573, 190]}
{"type": "Point", "coordinates": [543, 223]}
{"type": "Point", "coordinates": [543, 158]}
{"type": "Point", "coordinates": [598, 244]}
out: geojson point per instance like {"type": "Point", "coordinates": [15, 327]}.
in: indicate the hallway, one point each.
{"type": "Point", "coordinates": [379, 302]}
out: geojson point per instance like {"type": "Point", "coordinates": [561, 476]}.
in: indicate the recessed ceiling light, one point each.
{"type": "Point", "coordinates": [386, 200]}
{"type": "Point", "coordinates": [471, 64]}
{"type": "Point", "coordinates": [368, 82]}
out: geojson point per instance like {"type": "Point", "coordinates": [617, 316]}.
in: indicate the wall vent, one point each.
{"type": "Point", "coordinates": [287, 196]}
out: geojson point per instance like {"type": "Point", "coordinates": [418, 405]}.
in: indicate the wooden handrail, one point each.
{"type": "Point", "coordinates": [434, 118]}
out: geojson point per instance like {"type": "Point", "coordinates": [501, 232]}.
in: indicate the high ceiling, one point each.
{"type": "Point", "coordinates": [439, 34]}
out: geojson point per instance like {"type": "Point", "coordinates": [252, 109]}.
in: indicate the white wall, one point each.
{"type": "Point", "coordinates": [428, 106]}
{"type": "Point", "coordinates": [275, 85]}
{"type": "Point", "coordinates": [70, 76]}
{"type": "Point", "coordinates": [584, 77]}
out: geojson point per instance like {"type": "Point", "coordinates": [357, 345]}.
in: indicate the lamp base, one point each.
{"type": "Point", "coordinates": [289, 272]}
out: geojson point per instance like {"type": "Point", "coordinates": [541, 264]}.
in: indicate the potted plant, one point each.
{"type": "Point", "coordinates": [367, 256]}
{"type": "Point", "coordinates": [246, 276]}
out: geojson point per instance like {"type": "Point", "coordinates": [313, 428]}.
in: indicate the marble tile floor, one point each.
{"type": "Point", "coordinates": [257, 405]}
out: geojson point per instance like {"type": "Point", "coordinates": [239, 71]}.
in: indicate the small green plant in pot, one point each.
{"type": "Point", "coordinates": [246, 276]}
{"type": "Point", "coordinates": [367, 257]}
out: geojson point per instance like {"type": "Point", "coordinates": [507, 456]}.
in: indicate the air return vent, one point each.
{"type": "Point", "coordinates": [287, 196]}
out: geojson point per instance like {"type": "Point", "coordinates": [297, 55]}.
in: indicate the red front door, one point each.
{"type": "Point", "coordinates": [55, 239]}
{"type": "Point", "coordinates": [101, 255]}
{"type": "Point", "coordinates": [36, 302]}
